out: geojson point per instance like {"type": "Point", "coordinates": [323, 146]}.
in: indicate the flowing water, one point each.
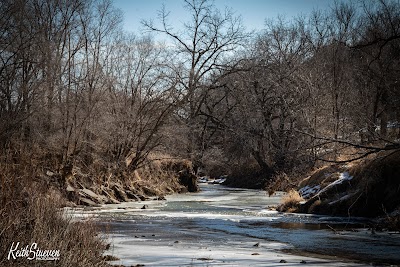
{"type": "Point", "coordinates": [222, 226]}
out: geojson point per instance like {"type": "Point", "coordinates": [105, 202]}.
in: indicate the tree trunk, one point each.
{"type": "Point", "coordinates": [265, 168]}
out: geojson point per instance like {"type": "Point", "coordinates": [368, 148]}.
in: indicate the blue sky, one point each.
{"type": "Point", "coordinates": [253, 12]}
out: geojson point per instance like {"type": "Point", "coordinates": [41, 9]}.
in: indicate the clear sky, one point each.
{"type": "Point", "coordinates": [253, 12]}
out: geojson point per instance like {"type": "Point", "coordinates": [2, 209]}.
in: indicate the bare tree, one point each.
{"type": "Point", "coordinates": [354, 60]}
{"type": "Point", "coordinates": [276, 95]}
{"type": "Point", "coordinates": [19, 75]}
{"type": "Point", "coordinates": [201, 49]}
{"type": "Point", "coordinates": [261, 104]}
{"type": "Point", "coordinates": [141, 98]}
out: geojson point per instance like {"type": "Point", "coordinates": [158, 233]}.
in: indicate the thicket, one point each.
{"type": "Point", "coordinates": [311, 90]}
{"type": "Point", "coordinates": [94, 97]}
{"type": "Point", "coordinates": [81, 98]}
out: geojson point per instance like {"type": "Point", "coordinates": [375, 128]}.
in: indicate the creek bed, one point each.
{"type": "Point", "coordinates": [222, 226]}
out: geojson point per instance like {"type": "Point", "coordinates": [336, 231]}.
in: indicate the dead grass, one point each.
{"type": "Point", "coordinates": [282, 182]}
{"type": "Point", "coordinates": [159, 177]}
{"type": "Point", "coordinates": [30, 212]}
{"type": "Point", "coordinates": [323, 175]}
{"type": "Point", "coordinates": [291, 201]}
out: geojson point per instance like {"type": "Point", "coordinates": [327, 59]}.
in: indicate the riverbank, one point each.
{"type": "Point", "coordinates": [368, 188]}
{"type": "Point", "coordinates": [154, 180]}
{"type": "Point", "coordinates": [34, 187]}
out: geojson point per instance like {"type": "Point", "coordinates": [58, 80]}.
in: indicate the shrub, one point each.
{"type": "Point", "coordinates": [291, 201]}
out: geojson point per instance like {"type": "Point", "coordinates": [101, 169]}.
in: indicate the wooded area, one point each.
{"type": "Point", "coordinates": [78, 91]}
{"type": "Point", "coordinates": [92, 114]}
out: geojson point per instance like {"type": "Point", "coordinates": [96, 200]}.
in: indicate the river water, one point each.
{"type": "Point", "coordinates": [222, 226]}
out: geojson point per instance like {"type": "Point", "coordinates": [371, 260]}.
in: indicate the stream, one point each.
{"type": "Point", "coordinates": [222, 226]}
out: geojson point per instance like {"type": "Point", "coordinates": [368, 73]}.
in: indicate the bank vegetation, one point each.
{"type": "Point", "coordinates": [92, 114]}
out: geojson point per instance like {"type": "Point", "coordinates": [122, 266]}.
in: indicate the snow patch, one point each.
{"type": "Point", "coordinates": [309, 191]}
{"type": "Point", "coordinates": [344, 176]}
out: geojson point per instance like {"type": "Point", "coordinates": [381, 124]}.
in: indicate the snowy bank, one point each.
{"type": "Point", "coordinates": [368, 189]}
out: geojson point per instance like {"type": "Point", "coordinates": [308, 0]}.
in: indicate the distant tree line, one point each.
{"type": "Point", "coordinates": [76, 87]}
